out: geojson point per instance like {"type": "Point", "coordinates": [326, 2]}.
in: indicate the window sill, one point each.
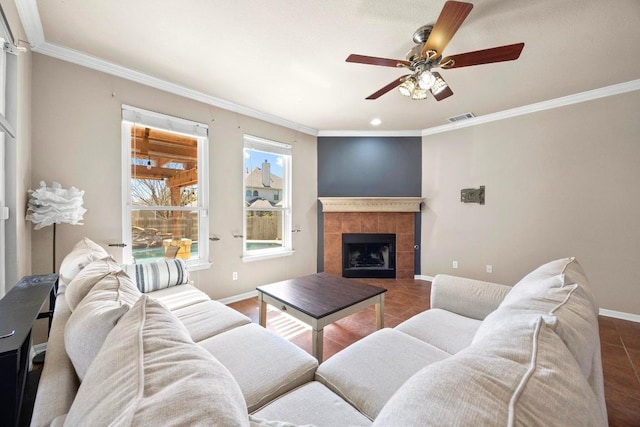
{"type": "Point", "coordinates": [263, 256]}
{"type": "Point", "coordinates": [198, 265]}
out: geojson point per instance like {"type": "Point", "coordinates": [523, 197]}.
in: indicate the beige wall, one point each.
{"type": "Point", "coordinates": [559, 183]}
{"type": "Point", "coordinates": [76, 141]}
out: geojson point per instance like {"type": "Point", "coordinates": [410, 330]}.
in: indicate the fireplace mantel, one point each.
{"type": "Point", "coordinates": [370, 204]}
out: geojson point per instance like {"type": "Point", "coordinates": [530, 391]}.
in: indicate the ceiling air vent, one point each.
{"type": "Point", "coordinates": [461, 117]}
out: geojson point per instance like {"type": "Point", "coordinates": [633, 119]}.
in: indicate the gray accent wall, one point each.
{"type": "Point", "coordinates": [368, 167]}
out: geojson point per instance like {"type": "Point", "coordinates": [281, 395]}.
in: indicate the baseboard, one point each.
{"type": "Point", "coordinates": [237, 298]}
{"type": "Point", "coordinates": [423, 277]}
{"type": "Point", "coordinates": [620, 315]}
{"type": "Point", "coordinates": [36, 354]}
{"type": "Point", "coordinates": [39, 348]}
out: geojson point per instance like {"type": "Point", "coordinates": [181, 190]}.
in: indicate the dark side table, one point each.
{"type": "Point", "coordinates": [19, 308]}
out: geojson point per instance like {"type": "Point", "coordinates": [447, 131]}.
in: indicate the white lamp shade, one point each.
{"type": "Point", "coordinates": [55, 205]}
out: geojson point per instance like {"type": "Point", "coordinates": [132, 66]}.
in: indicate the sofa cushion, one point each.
{"type": "Point", "coordinates": [161, 274]}
{"type": "Point", "coordinates": [313, 404]}
{"type": "Point", "coordinates": [177, 297]}
{"type": "Point", "coordinates": [554, 274]}
{"type": "Point", "coordinates": [369, 371]}
{"type": "Point", "coordinates": [96, 316]}
{"type": "Point", "coordinates": [443, 329]}
{"type": "Point", "coordinates": [84, 252]}
{"type": "Point", "coordinates": [150, 372]}
{"type": "Point", "coordinates": [466, 297]}
{"type": "Point", "coordinates": [80, 286]}
{"type": "Point", "coordinates": [264, 364]}
{"type": "Point", "coordinates": [568, 310]}
{"type": "Point", "coordinates": [520, 376]}
{"type": "Point", "coordinates": [206, 319]}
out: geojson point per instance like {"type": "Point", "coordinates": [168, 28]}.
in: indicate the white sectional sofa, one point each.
{"type": "Point", "coordinates": [484, 354]}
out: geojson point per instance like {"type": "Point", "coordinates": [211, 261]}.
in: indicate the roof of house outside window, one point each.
{"type": "Point", "coordinates": [254, 180]}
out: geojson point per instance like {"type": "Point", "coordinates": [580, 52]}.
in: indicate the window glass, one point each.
{"type": "Point", "coordinates": [267, 210]}
{"type": "Point", "coordinates": [166, 207]}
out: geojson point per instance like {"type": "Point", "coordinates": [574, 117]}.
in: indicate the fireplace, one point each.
{"type": "Point", "coordinates": [362, 215]}
{"type": "Point", "coordinates": [369, 255]}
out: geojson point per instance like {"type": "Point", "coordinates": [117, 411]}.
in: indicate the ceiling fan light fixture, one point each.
{"type": "Point", "coordinates": [430, 44]}
{"type": "Point", "coordinates": [418, 94]}
{"type": "Point", "coordinates": [407, 87]}
{"type": "Point", "coordinates": [426, 80]}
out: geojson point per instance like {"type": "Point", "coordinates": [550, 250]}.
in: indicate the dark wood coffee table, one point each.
{"type": "Point", "coordinates": [320, 299]}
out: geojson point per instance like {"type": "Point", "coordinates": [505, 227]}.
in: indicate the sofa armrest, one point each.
{"type": "Point", "coordinates": [466, 297]}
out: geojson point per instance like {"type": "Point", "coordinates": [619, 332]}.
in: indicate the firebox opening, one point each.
{"type": "Point", "coordinates": [369, 255]}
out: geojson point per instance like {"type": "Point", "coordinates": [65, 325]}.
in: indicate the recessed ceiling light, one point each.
{"type": "Point", "coordinates": [376, 122]}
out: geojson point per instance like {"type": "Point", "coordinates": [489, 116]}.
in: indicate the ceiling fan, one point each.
{"type": "Point", "coordinates": [426, 55]}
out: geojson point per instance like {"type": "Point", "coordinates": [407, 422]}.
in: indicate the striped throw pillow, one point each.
{"type": "Point", "coordinates": [161, 274]}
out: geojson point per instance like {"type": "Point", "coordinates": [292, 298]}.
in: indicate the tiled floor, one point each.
{"type": "Point", "coordinates": [620, 341]}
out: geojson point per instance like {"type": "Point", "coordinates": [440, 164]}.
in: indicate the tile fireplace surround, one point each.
{"type": "Point", "coordinates": [370, 215]}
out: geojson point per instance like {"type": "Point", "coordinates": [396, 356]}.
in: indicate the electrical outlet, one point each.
{"type": "Point", "coordinates": [455, 264]}
{"type": "Point", "coordinates": [235, 275]}
{"type": "Point", "coordinates": [489, 268]}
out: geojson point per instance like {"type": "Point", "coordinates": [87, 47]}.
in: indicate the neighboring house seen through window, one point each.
{"type": "Point", "coordinates": [267, 201]}
{"type": "Point", "coordinates": [165, 188]}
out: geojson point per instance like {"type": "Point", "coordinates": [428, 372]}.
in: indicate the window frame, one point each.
{"type": "Point", "coordinates": [255, 143]}
{"type": "Point", "coordinates": [133, 116]}
{"type": "Point", "coordinates": [7, 136]}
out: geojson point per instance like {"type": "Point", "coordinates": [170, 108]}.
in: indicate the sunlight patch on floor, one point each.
{"type": "Point", "coordinates": [284, 324]}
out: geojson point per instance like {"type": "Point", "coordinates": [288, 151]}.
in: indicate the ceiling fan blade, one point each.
{"type": "Point", "coordinates": [372, 60]}
{"type": "Point", "coordinates": [438, 91]}
{"type": "Point", "coordinates": [394, 84]}
{"type": "Point", "coordinates": [485, 56]}
{"type": "Point", "coordinates": [452, 16]}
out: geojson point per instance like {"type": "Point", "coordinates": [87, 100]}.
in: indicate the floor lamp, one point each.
{"type": "Point", "coordinates": [50, 206]}
{"type": "Point", "coordinates": [55, 205]}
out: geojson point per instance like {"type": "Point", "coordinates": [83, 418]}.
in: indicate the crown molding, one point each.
{"type": "Point", "coordinates": [95, 63]}
{"type": "Point", "coordinates": [590, 95]}
{"type": "Point", "coordinates": [30, 17]}
{"type": "Point", "coordinates": [604, 92]}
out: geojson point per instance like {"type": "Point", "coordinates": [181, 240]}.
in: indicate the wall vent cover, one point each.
{"type": "Point", "coordinates": [461, 117]}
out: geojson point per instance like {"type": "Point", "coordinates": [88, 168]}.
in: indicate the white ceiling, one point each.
{"type": "Point", "coordinates": [286, 58]}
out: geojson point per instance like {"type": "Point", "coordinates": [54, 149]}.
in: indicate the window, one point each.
{"type": "Point", "coordinates": [8, 106]}
{"type": "Point", "coordinates": [165, 188]}
{"type": "Point", "coordinates": [267, 217]}
{"type": "Point", "coordinates": [4, 211]}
